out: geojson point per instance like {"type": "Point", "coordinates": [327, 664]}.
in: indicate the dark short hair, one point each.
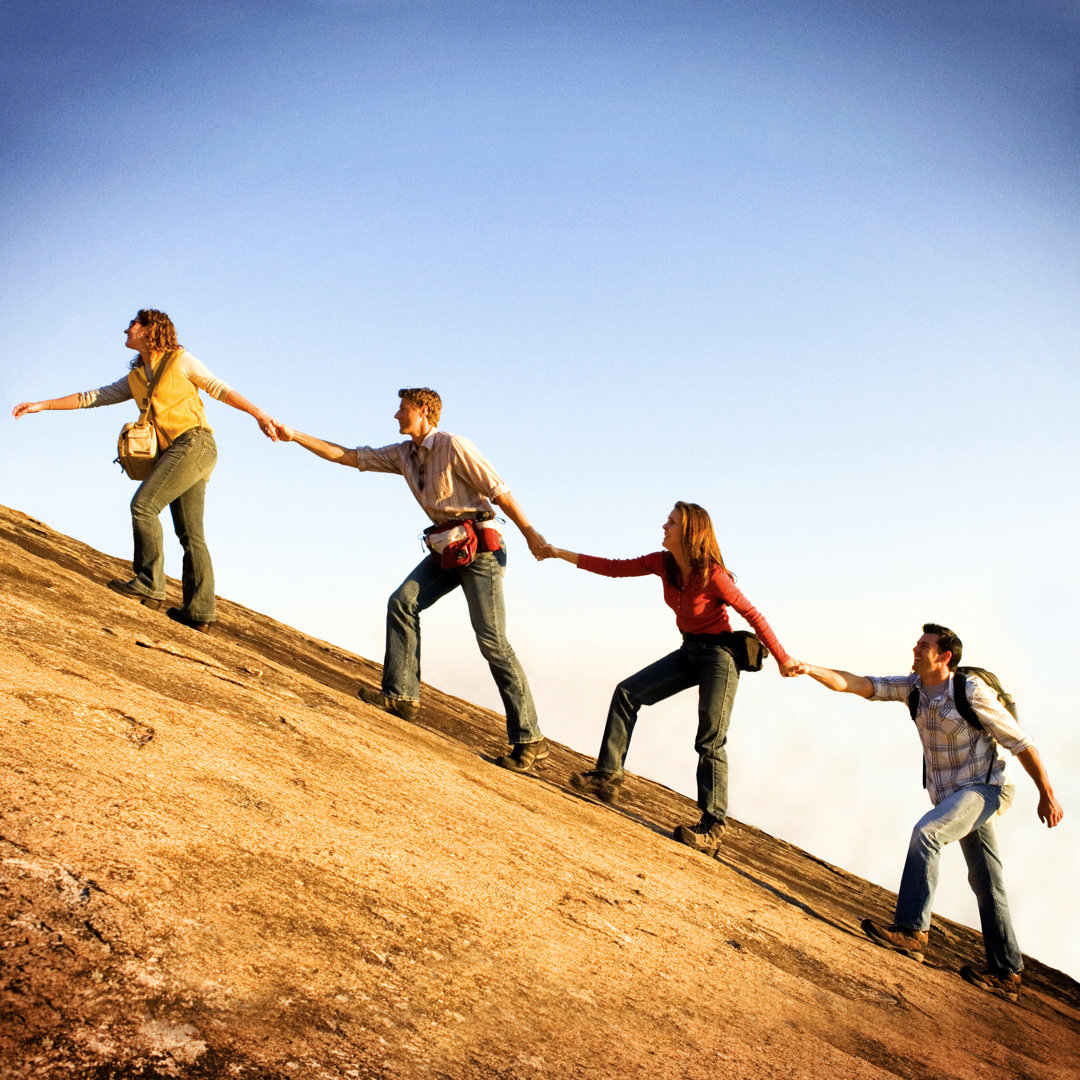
{"type": "Point", "coordinates": [947, 641]}
{"type": "Point", "coordinates": [421, 396]}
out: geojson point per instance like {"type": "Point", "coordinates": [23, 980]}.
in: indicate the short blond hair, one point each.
{"type": "Point", "coordinates": [422, 396]}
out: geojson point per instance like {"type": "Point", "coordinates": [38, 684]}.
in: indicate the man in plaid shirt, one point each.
{"type": "Point", "coordinates": [969, 786]}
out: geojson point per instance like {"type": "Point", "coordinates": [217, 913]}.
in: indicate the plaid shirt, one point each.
{"type": "Point", "coordinates": [956, 753]}
{"type": "Point", "coordinates": [448, 475]}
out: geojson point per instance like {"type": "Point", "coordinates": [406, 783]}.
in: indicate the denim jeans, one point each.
{"type": "Point", "coordinates": [481, 582]}
{"type": "Point", "coordinates": [966, 815]}
{"type": "Point", "coordinates": [711, 669]}
{"type": "Point", "coordinates": [178, 481]}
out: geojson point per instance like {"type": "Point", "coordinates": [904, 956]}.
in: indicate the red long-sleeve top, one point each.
{"type": "Point", "coordinates": [698, 609]}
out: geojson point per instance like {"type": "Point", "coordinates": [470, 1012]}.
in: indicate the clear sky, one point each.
{"type": "Point", "coordinates": [812, 264]}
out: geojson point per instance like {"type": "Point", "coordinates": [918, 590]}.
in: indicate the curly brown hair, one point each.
{"type": "Point", "coordinates": [421, 396]}
{"type": "Point", "coordinates": [160, 331]}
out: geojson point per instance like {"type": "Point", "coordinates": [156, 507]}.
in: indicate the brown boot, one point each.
{"type": "Point", "coordinates": [598, 783]}
{"type": "Point", "coordinates": [1002, 986]}
{"type": "Point", "coordinates": [900, 939]}
{"type": "Point", "coordinates": [402, 707]}
{"type": "Point", "coordinates": [706, 836]}
{"type": "Point", "coordinates": [525, 756]}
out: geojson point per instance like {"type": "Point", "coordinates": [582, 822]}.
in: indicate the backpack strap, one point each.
{"type": "Point", "coordinates": [913, 708]}
{"type": "Point", "coordinates": [960, 697]}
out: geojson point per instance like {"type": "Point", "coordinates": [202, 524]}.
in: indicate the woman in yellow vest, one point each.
{"type": "Point", "coordinates": [188, 455]}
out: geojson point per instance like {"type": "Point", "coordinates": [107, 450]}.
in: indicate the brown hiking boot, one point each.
{"type": "Point", "coordinates": [900, 939]}
{"type": "Point", "coordinates": [598, 783]}
{"type": "Point", "coordinates": [524, 756]}
{"type": "Point", "coordinates": [184, 619]}
{"type": "Point", "coordinates": [127, 588]}
{"type": "Point", "coordinates": [705, 836]}
{"type": "Point", "coordinates": [1002, 986]}
{"type": "Point", "coordinates": [402, 707]}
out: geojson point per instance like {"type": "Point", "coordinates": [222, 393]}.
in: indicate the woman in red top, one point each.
{"type": "Point", "coordinates": [698, 588]}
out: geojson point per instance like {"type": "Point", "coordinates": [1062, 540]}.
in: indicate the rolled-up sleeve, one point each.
{"type": "Point", "coordinates": [112, 394]}
{"type": "Point", "coordinates": [475, 469]}
{"type": "Point", "coordinates": [997, 720]}
{"type": "Point", "coordinates": [196, 372]}
{"type": "Point", "coordinates": [385, 459]}
{"type": "Point", "coordinates": [891, 687]}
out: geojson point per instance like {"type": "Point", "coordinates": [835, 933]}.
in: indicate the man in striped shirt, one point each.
{"type": "Point", "coordinates": [969, 786]}
{"type": "Point", "coordinates": [452, 481]}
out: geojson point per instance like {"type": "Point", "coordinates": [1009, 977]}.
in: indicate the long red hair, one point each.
{"type": "Point", "coordinates": [699, 541]}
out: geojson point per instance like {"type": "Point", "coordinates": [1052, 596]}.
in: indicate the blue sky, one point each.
{"type": "Point", "coordinates": [813, 265]}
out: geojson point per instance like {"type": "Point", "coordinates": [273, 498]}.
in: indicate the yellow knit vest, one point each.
{"type": "Point", "coordinates": [177, 405]}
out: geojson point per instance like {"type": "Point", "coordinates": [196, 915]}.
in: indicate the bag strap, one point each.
{"type": "Point", "coordinates": [167, 359]}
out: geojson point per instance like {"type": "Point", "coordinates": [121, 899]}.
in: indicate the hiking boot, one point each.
{"type": "Point", "coordinates": [127, 588]}
{"type": "Point", "coordinates": [400, 707]}
{"type": "Point", "coordinates": [184, 619]}
{"type": "Point", "coordinates": [900, 939]}
{"type": "Point", "coordinates": [524, 756]}
{"type": "Point", "coordinates": [1002, 986]}
{"type": "Point", "coordinates": [600, 784]}
{"type": "Point", "coordinates": [705, 836]}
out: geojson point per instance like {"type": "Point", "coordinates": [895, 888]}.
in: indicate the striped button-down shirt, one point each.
{"type": "Point", "coordinates": [448, 475]}
{"type": "Point", "coordinates": [956, 753]}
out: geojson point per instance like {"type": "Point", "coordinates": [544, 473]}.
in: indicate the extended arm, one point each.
{"type": "Point", "coordinates": [1050, 809]}
{"type": "Point", "coordinates": [340, 455]}
{"type": "Point", "coordinates": [264, 420]}
{"type": "Point", "coordinates": [69, 401]}
{"type": "Point", "coordinates": [512, 508]}
{"type": "Point", "coordinates": [552, 552]}
{"type": "Point", "coordinates": [842, 681]}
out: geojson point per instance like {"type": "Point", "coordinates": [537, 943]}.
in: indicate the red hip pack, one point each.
{"type": "Point", "coordinates": [457, 543]}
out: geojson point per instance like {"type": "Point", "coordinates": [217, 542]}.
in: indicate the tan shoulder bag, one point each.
{"type": "Point", "coordinates": [137, 446]}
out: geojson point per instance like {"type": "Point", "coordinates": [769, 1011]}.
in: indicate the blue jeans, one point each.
{"type": "Point", "coordinates": [481, 582]}
{"type": "Point", "coordinates": [178, 481]}
{"type": "Point", "coordinates": [711, 669]}
{"type": "Point", "coordinates": [965, 815]}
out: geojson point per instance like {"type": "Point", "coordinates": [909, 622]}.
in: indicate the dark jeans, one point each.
{"type": "Point", "coordinates": [481, 582]}
{"type": "Point", "coordinates": [711, 669]}
{"type": "Point", "coordinates": [178, 481]}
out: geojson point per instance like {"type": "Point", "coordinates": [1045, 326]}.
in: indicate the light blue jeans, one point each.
{"type": "Point", "coordinates": [966, 815]}
{"type": "Point", "coordinates": [178, 481]}
{"type": "Point", "coordinates": [481, 582]}
{"type": "Point", "coordinates": [711, 669]}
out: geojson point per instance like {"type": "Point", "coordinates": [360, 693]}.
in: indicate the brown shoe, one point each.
{"type": "Point", "coordinates": [598, 783]}
{"type": "Point", "coordinates": [400, 707]}
{"type": "Point", "coordinates": [127, 588]}
{"type": "Point", "coordinates": [900, 939]}
{"type": "Point", "coordinates": [184, 619]}
{"type": "Point", "coordinates": [525, 756]}
{"type": "Point", "coordinates": [1002, 986]}
{"type": "Point", "coordinates": [705, 836]}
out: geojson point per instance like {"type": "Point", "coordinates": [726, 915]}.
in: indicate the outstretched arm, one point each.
{"type": "Point", "coordinates": [340, 455]}
{"type": "Point", "coordinates": [1050, 809]}
{"type": "Point", "coordinates": [552, 552]}
{"type": "Point", "coordinates": [265, 421]}
{"type": "Point", "coordinates": [512, 508]}
{"type": "Point", "coordinates": [842, 681]}
{"type": "Point", "coordinates": [69, 401]}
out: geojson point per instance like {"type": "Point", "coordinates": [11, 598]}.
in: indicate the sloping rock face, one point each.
{"type": "Point", "coordinates": [216, 862]}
